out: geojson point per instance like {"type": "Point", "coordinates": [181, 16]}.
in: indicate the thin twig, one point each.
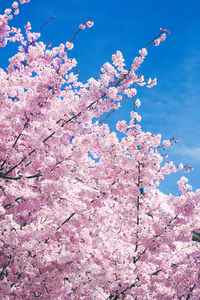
{"type": "Point", "coordinates": [190, 292]}
{"type": "Point", "coordinates": [77, 31]}
{"type": "Point", "coordinates": [25, 125]}
{"type": "Point", "coordinates": [66, 221]}
{"type": "Point", "coordinates": [5, 267]}
{"type": "Point", "coordinates": [45, 23]}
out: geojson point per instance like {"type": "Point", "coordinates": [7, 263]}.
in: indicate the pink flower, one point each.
{"type": "Point", "coordinates": [163, 37]}
{"type": "Point", "coordinates": [157, 42]}
{"type": "Point", "coordinates": [134, 115]}
{"type": "Point", "coordinates": [82, 26]}
{"type": "Point", "coordinates": [155, 81]}
{"type": "Point", "coordinates": [181, 184]}
{"type": "Point", "coordinates": [24, 1]}
{"type": "Point", "coordinates": [118, 59]}
{"type": "Point", "coordinates": [180, 166]}
{"type": "Point", "coordinates": [16, 12]}
{"type": "Point", "coordinates": [143, 52]}
{"type": "Point", "coordinates": [151, 82]}
{"type": "Point", "coordinates": [130, 92]}
{"type": "Point", "coordinates": [167, 143]}
{"type": "Point", "coordinates": [28, 26]}
{"type": "Point", "coordinates": [138, 103]}
{"type": "Point", "coordinates": [15, 5]}
{"type": "Point", "coordinates": [8, 11]}
{"type": "Point", "coordinates": [160, 39]}
{"type": "Point", "coordinates": [188, 187]}
{"type": "Point", "coordinates": [89, 24]}
{"type": "Point", "coordinates": [69, 45]}
{"type": "Point", "coordinates": [121, 126]}
{"type": "Point", "coordinates": [165, 30]}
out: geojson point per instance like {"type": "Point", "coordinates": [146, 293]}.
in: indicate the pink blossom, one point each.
{"type": "Point", "coordinates": [16, 12]}
{"type": "Point", "coordinates": [121, 126]}
{"type": "Point", "coordinates": [138, 103]}
{"type": "Point", "coordinates": [81, 212]}
{"type": "Point", "coordinates": [28, 26]}
{"type": "Point", "coordinates": [143, 52]}
{"type": "Point", "coordinates": [160, 39]}
{"type": "Point", "coordinates": [136, 116]}
{"type": "Point", "coordinates": [8, 11]}
{"type": "Point", "coordinates": [82, 26]}
{"type": "Point", "coordinates": [69, 45]}
{"type": "Point", "coordinates": [89, 24]}
{"type": "Point", "coordinates": [157, 42]}
{"type": "Point", "coordinates": [163, 37]}
{"type": "Point", "coordinates": [130, 92]}
{"type": "Point", "coordinates": [15, 5]}
{"type": "Point", "coordinates": [24, 1]}
{"type": "Point", "coordinates": [118, 60]}
{"type": "Point", "coordinates": [167, 143]}
{"type": "Point", "coordinates": [151, 83]}
{"type": "Point", "coordinates": [180, 166]}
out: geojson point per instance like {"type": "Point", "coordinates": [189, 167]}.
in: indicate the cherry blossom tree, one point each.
{"type": "Point", "coordinates": [81, 214]}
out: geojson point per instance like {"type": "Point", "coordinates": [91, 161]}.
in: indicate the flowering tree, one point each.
{"type": "Point", "coordinates": [81, 215]}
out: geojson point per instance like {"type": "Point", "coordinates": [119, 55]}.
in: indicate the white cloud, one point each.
{"type": "Point", "coordinates": [193, 152]}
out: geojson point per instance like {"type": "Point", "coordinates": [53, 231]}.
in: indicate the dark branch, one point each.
{"type": "Point", "coordinates": [136, 259]}
{"type": "Point", "coordinates": [25, 125]}
{"type": "Point", "coordinates": [156, 273]}
{"type": "Point", "coordinates": [53, 17]}
{"type": "Point", "coordinates": [3, 164]}
{"type": "Point", "coordinates": [190, 292]}
{"type": "Point", "coordinates": [4, 268]}
{"type": "Point", "coordinates": [10, 178]}
{"type": "Point", "coordinates": [65, 221]}
{"type": "Point", "coordinates": [34, 176]}
{"type": "Point", "coordinates": [18, 163]}
{"type": "Point", "coordinates": [16, 140]}
{"type": "Point", "coordinates": [122, 293]}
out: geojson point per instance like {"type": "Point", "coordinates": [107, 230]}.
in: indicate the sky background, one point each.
{"type": "Point", "coordinates": [172, 108]}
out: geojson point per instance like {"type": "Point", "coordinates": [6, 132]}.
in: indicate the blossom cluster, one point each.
{"type": "Point", "coordinates": [81, 214]}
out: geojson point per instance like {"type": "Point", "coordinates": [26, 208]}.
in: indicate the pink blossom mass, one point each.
{"type": "Point", "coordinates": [81, 213]}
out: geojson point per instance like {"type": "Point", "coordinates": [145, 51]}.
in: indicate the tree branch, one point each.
{"type": "Point", "coordinates": [66, 221]}
{"type": "Point", "coordinates": [4, 268]}
{"type": "Point", "coordinates": [25, 125]}
{"type": "Point", "coordinates": [34, 176]}
{"type": "Point", "coordinates": [10, 178]}
{"type": "Point", "coordinates": [190, 292]}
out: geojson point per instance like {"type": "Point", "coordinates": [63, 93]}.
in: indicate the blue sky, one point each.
{"type": "Point", "coordinates": [172, 108]}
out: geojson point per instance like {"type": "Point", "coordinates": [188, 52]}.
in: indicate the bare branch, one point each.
{"type": "Point", "coordinates": [4, 268]}
{"type": "Point", "coordinates": [66, 221]}
{"type": "Point", "coordinates": [190, 292]}
{"type": "Point", "coordinates": [34, 176]}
